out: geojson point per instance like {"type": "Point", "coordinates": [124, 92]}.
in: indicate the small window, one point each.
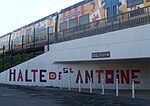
{"type": "Point", "coordinates": [147, 0]}
{"type": "Point", "coordinates": [134, 2]}
{"type": "Point", "coordinates": [51, 29]}
{"type": "Point", "coordinates": [73, 23]}
{"type": "Point", "coordinates": [84, 19]}
{"type": "Point", "coordinates": [63, 26]}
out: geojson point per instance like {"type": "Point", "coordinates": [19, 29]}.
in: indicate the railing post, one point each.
{"type": "Point", "coordinates": [111, 24]}
{"type": "Point", "coordinates": [73, 32]}
{"type": "Point", "coordinates": [105, 30]}
{"type": "Point", "coordinates": [119, 22]}
{"type": "Point", "coordinates": [3, 56]}
{"type": "Point", "coordinates": [84, 30]}
{"type": "Point", "coordinates": [22, 46]}
{"type": "Point", "coordinates": [148, 14]}
{"type": "Point", "coordinates": [97, 22]}
{"type": "Point", "coordinates": [128, 20]}
{"type": "Point", "coordinates": [56, 36]}
{"type": "Point", "coordinates": [47, 38]}
{"type": "Point", "coordinates": [11, 53]}
{"type": "Point", "coordinates": [9, 41]}
{"type": "Point", "coordinates": [34, 42]}
{"type": "Point", "coordinates": [63, 35]}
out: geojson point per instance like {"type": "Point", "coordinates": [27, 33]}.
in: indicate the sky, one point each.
{"type": "Point", "coordinates": [17, 13]}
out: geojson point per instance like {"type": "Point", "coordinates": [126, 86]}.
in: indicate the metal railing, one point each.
{"type": "Point", "coordinates": [118, 22]}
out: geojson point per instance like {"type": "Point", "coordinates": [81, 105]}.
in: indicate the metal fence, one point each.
{"type": "Point", "coordinates": [118, 22]}
{"type": "Point", "coordinates": [23, 51]}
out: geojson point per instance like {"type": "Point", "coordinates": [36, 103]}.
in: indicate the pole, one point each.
{"type": "Point", "coordinates": [90, 85]}
{"type": "Point", "coordinates": [84, 29]}
{"type": "Point", "coordinates": [22, 48]}
{"type": "Point", "coordinates": [148, 14]}
{"type": "Point", "coordinates": [11, 53]}
{"type": "Point", "coordinates": [69, 83]}
{"type": "Point", "coordinates": [34, 43]}
{"type": "Point", "coordinates": [73, 32]}
{"type": "Point", "coordinates": [61, 83]}
{"type": "Point", "coordinates": [103, 85]}
{"type": "Point", "coordinates": [133, 89]}
{"type": "Point", "coordinates": [117, 87]}
{"type": "Point", "coordinates": [79, 85]}
{"type": "Point", "coordinates": [47, 38]}
{"type": "Point", "coordinates": [97, 23]}
{"type": "Point", "coordinates": [128, 20]}
{"type": "Point", "coordinates": [3, 56]}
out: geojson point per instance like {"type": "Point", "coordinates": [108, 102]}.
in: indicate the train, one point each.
{"type": "Point", "coordinates": [79, 14]}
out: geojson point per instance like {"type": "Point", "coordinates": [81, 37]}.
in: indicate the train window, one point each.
{"type": "Point", "coordinates": [37, 34]}
{"type": "Point", "coordinates": [73, 23]}
{"type": "Point", "coordinates": [18, 40]}
{"type": "Point", "coordinates": [137, 12]}
{"type": "Point", "coordinates": [115, 10]}
{"type": "Point", "coordinates": [28, 35]}
{"type": "Point", "coordinates": [108, 12]}
{"type": "Point", "coordinates": [63, 26]}
{"type": "Point", "coordinates": [84, 19]}
{"type": "Point", "coordinates": [51, 29]}
{"type": "Point", "coordinates": [133, 2]}
{"type": "Point", "coordinates": [149, 10]}
{"type": "Point", "coordinates": [42, 34]}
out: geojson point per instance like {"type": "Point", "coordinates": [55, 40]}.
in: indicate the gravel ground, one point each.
{"type": "Point", "coordinates": [11, 95]}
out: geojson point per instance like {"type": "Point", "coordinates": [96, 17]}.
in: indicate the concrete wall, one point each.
{"type": "Point", "coordinates": [73, 60]}
{"type": "Point", "coordinates": [124, 44]}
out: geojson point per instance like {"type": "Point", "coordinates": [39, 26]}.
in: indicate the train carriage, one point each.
{"type": "Point", "coordinates": [109, 8]}
{"type": "Point", "coordinates": [43, 27]}
{"type": "Point", "coordinates": [26, 33]}
{"type": "Point", "coordinates": [93, 10]}
{"type": "Point", "coordinates": [89, 11]}
{"type": "Point", "coordinates": [4, 41]}
{"type": "Point", "coordinates": [16, 39]}
{"type": "Point", "coordinates": [39, 27]}
{"type": "Point", "coordinates": [78, 15]}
